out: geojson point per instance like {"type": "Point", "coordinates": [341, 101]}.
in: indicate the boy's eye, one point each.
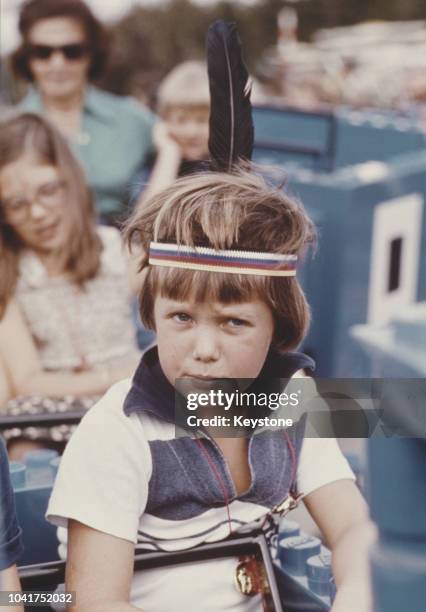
{"type": "Point", "coordinates": [181, 317]}
{"type": "Point", "coordinates": [237, 322]}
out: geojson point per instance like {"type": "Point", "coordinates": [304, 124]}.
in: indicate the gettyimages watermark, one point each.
{"type": "Point", "coordinates": [237, 403]}
{"type": "Point", "coordinates": [342, 408]}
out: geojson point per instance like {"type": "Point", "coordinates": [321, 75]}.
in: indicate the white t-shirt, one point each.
{"type": "Point", "coordinates": [104, 482]}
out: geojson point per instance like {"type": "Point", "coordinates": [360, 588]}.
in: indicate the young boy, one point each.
{"type": "Point", "coordinates": [181, 136]}
{"type": "Point", "coordinates": [231, 310]}
{"type": "Point", "coordinates": [10, 533]}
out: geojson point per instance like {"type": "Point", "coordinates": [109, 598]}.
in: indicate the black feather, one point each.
{"type": "Point", "coordinates": [231, 123]}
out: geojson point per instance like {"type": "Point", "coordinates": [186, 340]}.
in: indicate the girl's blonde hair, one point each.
{"type": "Point", "coordinates": [225, 211]}
{"type": "Point", "coordinates": [185, 86]}
{"type": "Point", "coordinates": [80, 255]}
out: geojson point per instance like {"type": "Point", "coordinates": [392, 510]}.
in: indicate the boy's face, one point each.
{"type": "Point", "coordinates": [212, 340]}
{"type": "Point", "coordinates": [189, 127]}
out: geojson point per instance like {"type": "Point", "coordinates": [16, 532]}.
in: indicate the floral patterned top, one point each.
{"type": "Point", "coordinates": [72, 326]}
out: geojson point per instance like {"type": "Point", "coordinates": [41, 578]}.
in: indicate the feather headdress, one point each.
{"type": "Point", "coordinates": [231, 138]}
{"type": "Point", "coordinates": [231, 124]}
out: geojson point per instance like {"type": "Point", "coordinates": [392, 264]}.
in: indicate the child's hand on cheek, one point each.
{"type": "Point", "coordinates": [166, 167]}
{"type": "Point", "coordinates": [164, 141]}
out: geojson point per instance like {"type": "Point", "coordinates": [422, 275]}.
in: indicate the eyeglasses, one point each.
{"type": "Point", "coordinates": [48, 195]}
{"type": "Point", "coordinates": [72, 52]}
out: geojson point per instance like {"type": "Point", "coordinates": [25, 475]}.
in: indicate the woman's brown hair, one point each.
{"type": "Point", "coordinates": [80, 256]}
{"type": "Point", "coordinates": [96, 35]}
{"type": "Point", "coordinates": [225, 211]}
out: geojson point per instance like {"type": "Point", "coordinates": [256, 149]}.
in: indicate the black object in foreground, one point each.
{"type": "Point", "coordinates": [231, 125]}
{"type": "Point", "coordinates": [47, 576]}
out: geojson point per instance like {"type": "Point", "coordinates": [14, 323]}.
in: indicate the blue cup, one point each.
{"type": "Point", "coordinates": [54, 464]}
{"type": "Point", "coordinates": [320, 577]}
{"type": "Point", "coordinates": [39, 470]}
{"type": "Point", "coordinates": [293, 552]}
{"type": "Point", "coordinates": [287, 529]}
{"type": "Point", "coordinates": [17, 475]}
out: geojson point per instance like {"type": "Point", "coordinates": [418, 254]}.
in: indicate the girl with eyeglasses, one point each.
{"type": "Point", "coordinates": [65, 298]}
{"type": "Point", "coordinates": [63, 48]}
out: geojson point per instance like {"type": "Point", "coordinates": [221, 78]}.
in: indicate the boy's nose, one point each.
{"type": "Point", "coordinates": [206, 346]}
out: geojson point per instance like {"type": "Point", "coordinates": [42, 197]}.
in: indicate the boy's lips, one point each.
{"type": "Point", "coordinates": [201, 376]}
{"type": "Point", "coordinates": [201, 380]}
{"type": "Point", "coordinates": [205, 383]}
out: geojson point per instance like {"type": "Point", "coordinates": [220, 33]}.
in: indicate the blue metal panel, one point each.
{"type": "Point", "coordinates": [396, 476]}
{"type": "Point", "coordinates": [375, 135]}
{"type": "Point", "coordinates": [325, 140]}
{"type": "Point", "coordinates": [343, 203]}
{"type": "Point", "coordinates": [398, 505]}
{"type": "Point", "coordinates": [39, 536]}
{"type": "Point", "coordinates": [337, 280]}
{"type": "Point", "coordinates": [32, 486]}
{"type": "Point", "coordinates": [291, 135]}
{"type": "Point", "coordinates": [397, 349]}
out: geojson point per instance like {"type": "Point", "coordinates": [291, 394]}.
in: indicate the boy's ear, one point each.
{"type": "Point", "coordinates": [274, 344]}
{"type": "Point", "coordinates": [277, 341]}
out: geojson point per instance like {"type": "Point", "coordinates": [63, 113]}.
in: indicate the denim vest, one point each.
{"type": "Point", "coordinates": [183, 483]}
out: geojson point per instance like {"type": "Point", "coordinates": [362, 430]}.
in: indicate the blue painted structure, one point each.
{"type": "Point", "coordinates": [329, 140]}
{"type": "Point", "coordinates": [397, 349]}
{"type": "Point", "coordinates": [32, 486]}
{"type": "Point", "coordinates": [397, 484]}
{"type": "Point", "coordinates": [362, 177]}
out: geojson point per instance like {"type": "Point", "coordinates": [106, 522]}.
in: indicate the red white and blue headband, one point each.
{"type": "Point", "coordinates": [212, 260]}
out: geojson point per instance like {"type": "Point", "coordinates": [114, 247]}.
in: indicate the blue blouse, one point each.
{"type": "Point", "coordinates": [112, 146]}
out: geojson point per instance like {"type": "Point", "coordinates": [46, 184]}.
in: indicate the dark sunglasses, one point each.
{"type": "Point", "coordinates": [71, 52]}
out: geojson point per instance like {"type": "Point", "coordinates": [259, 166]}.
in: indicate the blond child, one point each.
{"type": "Point", "coordinates": [181, 135]}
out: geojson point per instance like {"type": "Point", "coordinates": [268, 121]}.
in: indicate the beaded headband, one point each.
{"type": "Point", "coordinates": [211, 260]}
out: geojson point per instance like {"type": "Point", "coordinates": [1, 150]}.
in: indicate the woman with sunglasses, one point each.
{"type": "Point", "coordinates": [63, 47]}
{"type": "Point", "coordinates": [65, 297]}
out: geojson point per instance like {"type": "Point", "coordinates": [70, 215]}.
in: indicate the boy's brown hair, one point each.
{"type": "Point", "coordinates": [225, 211]}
